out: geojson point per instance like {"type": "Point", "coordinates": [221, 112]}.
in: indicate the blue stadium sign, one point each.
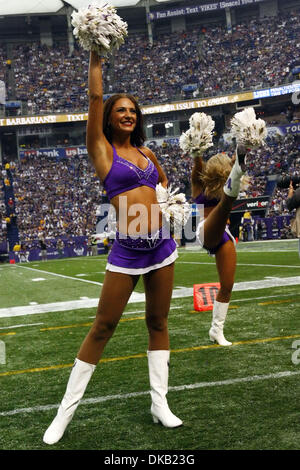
{"type": "Point", "coordinates": [277, 91]}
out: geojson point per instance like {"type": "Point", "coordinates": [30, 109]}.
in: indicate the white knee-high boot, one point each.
{"type": "Point", "coordinates": [232, 185]}
{"type": "Point", "coordinates": [219, 316]}
{"type": "Point", "coordinates": [78, 381]}
{"type": "Point", "coordinates": [158, 363]}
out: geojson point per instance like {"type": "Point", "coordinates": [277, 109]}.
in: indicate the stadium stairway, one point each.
{"type": "Point", "coordinates": [9, 199]}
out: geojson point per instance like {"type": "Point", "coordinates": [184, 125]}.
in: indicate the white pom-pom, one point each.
{"type": "Point", "coordinates": [248, 130]}
{"type": "Point", "coordinates": [199, 136]}
{"type": "Point", "coordinates": [245, 182]}
{"type": "Point", "coordinates": [174, 206]}
{"type": "Point", "coordinates": [98, 28]}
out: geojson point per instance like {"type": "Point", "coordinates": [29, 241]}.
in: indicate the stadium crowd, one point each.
{"type": "Point", "coordinates": [55, 198]}
{"type": "Point", "coordinates": [258, 53]}
{"type": "Point", "coordinates": [61, 197]}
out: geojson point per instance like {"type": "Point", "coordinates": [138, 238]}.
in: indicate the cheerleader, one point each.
{"type": "Point", "coordinates": [215, 186]}
{"type": "Point", "coordinates": [129, 172]}
{"type": "Point", "coordinates": [208, 180]}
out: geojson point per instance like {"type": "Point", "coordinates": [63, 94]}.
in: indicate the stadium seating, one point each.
{"type": "Point", "coordinates": [51, 80]}
{"type": "Point", "coordinates": [59, 197]}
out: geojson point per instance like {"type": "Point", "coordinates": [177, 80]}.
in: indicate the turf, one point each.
{"type": "Point", "coordinates": [229, 398]}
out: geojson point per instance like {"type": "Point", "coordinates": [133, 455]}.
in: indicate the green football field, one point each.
{"type": "Point", "coordinates": [241, 397]}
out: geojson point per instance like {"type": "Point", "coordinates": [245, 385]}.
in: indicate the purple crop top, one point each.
{"type": "Point", "coordinates": [202, 199]}
{"type": "Point", "coordinates": [125, 175]}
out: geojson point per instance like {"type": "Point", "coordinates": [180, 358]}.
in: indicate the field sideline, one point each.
{"type": "Point", "coordinates": [242, 397]}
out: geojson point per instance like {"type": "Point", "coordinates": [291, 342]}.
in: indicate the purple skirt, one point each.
{"type": "Point", "coordinates": [141, 255]}
{"type": "Point", "coordinates": [227, 235]}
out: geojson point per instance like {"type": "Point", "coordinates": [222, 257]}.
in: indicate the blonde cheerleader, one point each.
{"type": "Point", "coordinates": [215, 186]}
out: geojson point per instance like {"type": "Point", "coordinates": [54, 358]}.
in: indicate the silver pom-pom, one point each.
{"type": "Point", "coordinates": [98, 28]}
{"type": "Point", "coordinates": [199, 136]}
{"type": "Point", "coordinates": [245, 182]}
{"type": "Point", "coordinates": [247, 130]}
{"type": "Point", "coordinates": [174, 206]}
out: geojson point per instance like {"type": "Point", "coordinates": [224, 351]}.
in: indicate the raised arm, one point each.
{"type": "Point", "coordinates": [196, 176]}
{"type": "Point", "coordinates": [98, 147]}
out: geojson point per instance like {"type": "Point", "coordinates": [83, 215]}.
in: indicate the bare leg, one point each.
{"type": "Point", "coordinates": [158, 289]}
{"type": "Point", "coordinates": [115, 294]}
{"type": "Point", "coordinates": [226, 265]}
{"type": "Point", "coordinates": [216, 221]}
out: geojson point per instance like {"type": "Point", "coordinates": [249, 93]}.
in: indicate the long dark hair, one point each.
{"type": "Point", "coordinates": [137, 137]}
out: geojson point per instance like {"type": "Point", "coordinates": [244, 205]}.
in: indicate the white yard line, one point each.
{"type": "Point", "coordinates": [267, 283]}
{"type": "Point", "coordinates": [242, 264]}
{"type": "Point", "coordinates": [125, 396]}
{"type": "Point", "coordinates": [291, 294]}
{"type": "Point", "coordinates": [20, 326]}
{"type": "Point", "coordinates": [137, 297]}
{"type": "Point", "coordinates": [240, 250]}
{"type": "Point", "coordinates": [45, 308]}
{"type": "Point", "coordinates": [60, 275]}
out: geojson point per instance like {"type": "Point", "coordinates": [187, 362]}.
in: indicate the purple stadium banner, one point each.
{"type": "Point", "coordinates": [290, 129]}
{"type": "Point", "coordinates": [160, 15]}
{"type": "Point", "coordinates": [272, 226]}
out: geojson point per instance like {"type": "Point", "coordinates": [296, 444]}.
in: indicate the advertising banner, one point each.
{"type": "Point", "coordinates": [57, 152]}
{"type": "Point", "coordinates": [212, 6]}
{"type": "Point", "coordinates": [45, 119]}
{"type": "Point", "coordinates": [160, 108]}
{"type": "Point", "coordinates": [277, 91]}
{"type": "Point", "coordinates": [253, 204]}
{"type": "Point", "coordinates": [197, 103]}
{"type": "Point", "coordinates": [290, 129]}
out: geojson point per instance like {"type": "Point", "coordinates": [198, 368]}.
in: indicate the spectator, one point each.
{"type": "Point", "coordinates": [50, 80]}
